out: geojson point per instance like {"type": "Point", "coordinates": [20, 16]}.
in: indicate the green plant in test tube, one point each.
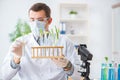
{"type": "Point", "coordinates": [41, 32]}
{"type": "Point", "coordinates": [106, 68]}
{"type": "Point", "coordinates": [55, 36]}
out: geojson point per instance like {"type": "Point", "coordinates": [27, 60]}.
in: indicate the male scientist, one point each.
{"type": "Point", "coordinates": [28, 68]}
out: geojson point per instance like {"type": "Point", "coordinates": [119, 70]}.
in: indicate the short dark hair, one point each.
{"type": "Point", "coordinates": [41, 6]}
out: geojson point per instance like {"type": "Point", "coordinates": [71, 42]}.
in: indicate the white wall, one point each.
{"type": "Point", "coordinates": [100, 43]}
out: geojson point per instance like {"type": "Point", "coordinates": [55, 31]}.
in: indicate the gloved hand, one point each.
{"type": "Point", "coordinates": [16, 48]}
{"type": "Point", "coordinates": [61, 62]}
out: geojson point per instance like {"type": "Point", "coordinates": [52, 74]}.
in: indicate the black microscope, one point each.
{"type": "Point", "coordinates": [85, 56]}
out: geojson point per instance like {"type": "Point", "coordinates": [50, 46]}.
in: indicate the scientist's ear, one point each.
{"type": "Point", "coordinates": [49, 20]}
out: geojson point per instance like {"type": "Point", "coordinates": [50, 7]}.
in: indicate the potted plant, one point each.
{"type": "Point", "coordinates": [21, 29]}
{"type": "Point", "coordinates": [73, 13]}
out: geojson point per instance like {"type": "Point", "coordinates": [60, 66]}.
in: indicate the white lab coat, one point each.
{"type": "Point", "coordinates": [39, 69]}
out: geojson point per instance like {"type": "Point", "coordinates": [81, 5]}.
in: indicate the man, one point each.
{"type": "Point", "coordinates": [38, 69]}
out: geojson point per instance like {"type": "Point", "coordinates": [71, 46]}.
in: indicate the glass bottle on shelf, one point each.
{"type": "Point", "coordinates": [63, 28]}
{"type": "Point", "coordinates": [72, 30]}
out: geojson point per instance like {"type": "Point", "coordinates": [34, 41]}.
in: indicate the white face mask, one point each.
{"type": "Point", "coordinates": [36, 26]}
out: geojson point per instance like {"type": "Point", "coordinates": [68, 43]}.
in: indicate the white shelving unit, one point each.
{"type": "Point", "coordinates": [76, 28]}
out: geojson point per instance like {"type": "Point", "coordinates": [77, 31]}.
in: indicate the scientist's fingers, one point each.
{"type": "Point", "coordinates": [16, 43]}
{"type": "Point", "coordinates": [17, 48]}
{"type": "Point", "coordinates": [19, 42]}
{"type": "Point", "coordinates": [59, 57]}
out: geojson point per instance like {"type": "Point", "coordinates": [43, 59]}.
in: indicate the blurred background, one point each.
{"type": "Point", "coordinates": [100, 26]}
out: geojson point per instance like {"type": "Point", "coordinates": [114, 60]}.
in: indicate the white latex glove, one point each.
{"type": "Point", "coordinates": [16, 48]}
{"type": "Point", "coordinates": [61, 62]}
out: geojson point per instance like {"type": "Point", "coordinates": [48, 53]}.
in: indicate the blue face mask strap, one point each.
{"type": "Point", "coordinates": [47, 35]}
{"type": "Point", "coordinates": [34, 37]}
{"type": "Point", "coordinates": [37, 39]}
{"type": "Point", "coordinates": [43, 38]}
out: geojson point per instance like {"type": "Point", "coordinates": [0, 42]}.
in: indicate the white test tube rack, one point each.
{"type": "Point", "coordinates": [47, 52]}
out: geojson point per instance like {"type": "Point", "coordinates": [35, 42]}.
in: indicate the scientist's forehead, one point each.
{"type": "Point", "coordinates": [37, 14]}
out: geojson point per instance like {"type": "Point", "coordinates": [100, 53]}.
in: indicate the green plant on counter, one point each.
{"type": "Point", "coordinates": [21, 29]}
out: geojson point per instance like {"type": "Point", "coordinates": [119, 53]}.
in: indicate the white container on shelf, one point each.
{"type": "Point", "coordinates": [73, 16]}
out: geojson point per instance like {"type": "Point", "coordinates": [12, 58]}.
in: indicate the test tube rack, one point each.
{"type": "Point", "coordinates": [47, 52]}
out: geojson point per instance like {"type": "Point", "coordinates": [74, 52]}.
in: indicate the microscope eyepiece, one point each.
{"type": "Point", "coordinates": [85, 54]}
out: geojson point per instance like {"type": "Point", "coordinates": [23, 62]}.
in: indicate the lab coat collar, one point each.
{"type": "Point", "coordinates": [33, 42]}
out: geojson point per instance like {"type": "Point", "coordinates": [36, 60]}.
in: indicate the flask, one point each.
{"type": "Point", "coordinates": [119, 72]}
{"type": "Point", "coordinates": [63, 28]}
{"type": "Point", "coordinates": [116, 70]}
{"type": "Point", "coordinates": [111, 72]}
{"type": "Point", "coordinates": [104, 71]}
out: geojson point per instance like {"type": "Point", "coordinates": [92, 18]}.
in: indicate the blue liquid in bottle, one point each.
{"type": "Point", "coordinates": [111, 73]}
{"type": "Point", "coordinates": [119, 72]}
{"type": "Point", "coordinates": [63, 28]}
{"type": "Point", "coordinates": [102, 71]}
